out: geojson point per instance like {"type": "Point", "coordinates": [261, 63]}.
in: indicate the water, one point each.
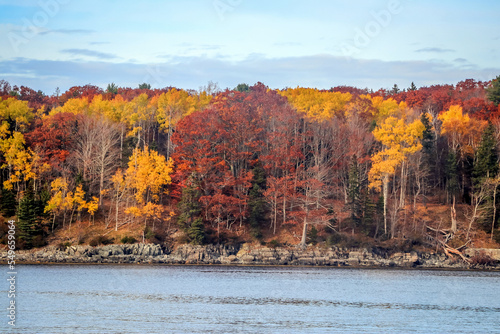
{"type": "Point", "coordinates": [211, 299]}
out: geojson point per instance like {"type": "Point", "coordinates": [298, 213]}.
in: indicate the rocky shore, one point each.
{"type": "Point", "coordinates": [256, 255]}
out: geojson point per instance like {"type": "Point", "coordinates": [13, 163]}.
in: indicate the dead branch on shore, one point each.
{"type": "Point", "coordinates": [447, 236]}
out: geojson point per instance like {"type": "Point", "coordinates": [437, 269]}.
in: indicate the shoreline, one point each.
{"type": "Point", "coordinates": [251, 255]}
{"type": "Point", "coordinates": [147, 264]}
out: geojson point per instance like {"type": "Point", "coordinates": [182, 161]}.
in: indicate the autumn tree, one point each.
{"type": "Point", "coordinates": [223, 143]}
{"type": "Point", "coordinates": [146, 176]}
{"type": "Point", "coordinates": [316, 104]}
{"type": "Point", "coordinates": [400, 138]}
{"type": "Point", "coordinates": [173, 106]}
{"type": "Point", "coordinates": [53, 138]}
{"type": "Point", "coordinates": [494, 91]}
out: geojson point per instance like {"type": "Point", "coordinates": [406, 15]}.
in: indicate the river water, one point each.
{"type": "Point", "coordinates": [224, 299]}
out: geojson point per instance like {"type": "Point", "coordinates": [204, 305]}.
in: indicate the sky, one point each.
{"type": "Point", "coordinates": [50, 44]}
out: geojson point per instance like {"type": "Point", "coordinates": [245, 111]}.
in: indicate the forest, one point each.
{"type": "Point", "coordinates": [345, 166]}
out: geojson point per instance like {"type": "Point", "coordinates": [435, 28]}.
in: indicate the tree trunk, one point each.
{"type": "Point", "coordinates": [121, 145]}
{"type": "Point", "coordinates": [385, 193]}
{"type": "Point", "coordinates": [101, 183]}
{"type": "Point", "coordinates": [453, 217]}
{"type": "Point", "coordinates": [116, 212]}
{"type": "Point", "coordinates": [403, 186]}
{"type": "Point", "coordinates": [304, 235]}
{"type": "Point", "coordinates": [494, 210]}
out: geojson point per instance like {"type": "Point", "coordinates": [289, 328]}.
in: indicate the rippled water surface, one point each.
{"type": "Point", "coordinates": [206, 299]}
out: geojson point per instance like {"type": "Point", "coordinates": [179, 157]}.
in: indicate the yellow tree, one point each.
{"type": "Point", "coordinates": [92, 207]}
{"type": "Point", "coordinates": [316, 104]}
{"type": "Point", "coordinates": [399, 140]}
{"type": "Point", "coordinates": [59, 189]}
{"type": "Point", "coordinates": [381, 109]}
{"type": "Point", "coordinates": [140, 115]}
{"type": "Point", "coordinates": [16, 112]}
{"type": "Point", "coordinates": [115, 111]}
{"type": "Point", "coordinates": [76, 106]}
{"type": "Point", "coordinates": [23, 164]}
{"type": "Point", "coordinates": [147, 173]}
{"type": "Point", "coordinates": [79, 202]}
{"type": "Point", "coordinates": [463, 133]}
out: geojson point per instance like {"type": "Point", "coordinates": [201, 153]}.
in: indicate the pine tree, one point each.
{"type": "Point", "coordinates": [196, 232]}
{"type": "Point", "coordinates": [427, 135]}
{"type": "Point", "coordinates": [486, 157]}
{"type": "Point", "coordinates": [28, 215]}
{"type": "Point", "coordinates": [242, 87]}
{"type": "Point", "coordinates": [428, 162]}
{"type": "Point", "coordinates": [451, 174]}
{"type": "Point", "coordinates": [484, 171]}
{"type": "Point", "coordinates": [312, 235]}
{"type": "Point", "coordinates": [354, 192]}
{"type": "Point", "coordinates": [368, 219]}
{"type": "Point", "coordinates": [257, 203]}
{"type": "Point", "coordinates": [494, 91]}
{"type": "Point", "coordinates": [8, 202]}
{"type": "Point", "coordinates": [189, 218]}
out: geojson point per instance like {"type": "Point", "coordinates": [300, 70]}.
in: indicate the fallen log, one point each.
{"type": "Point", "coordinates": [450, 250]}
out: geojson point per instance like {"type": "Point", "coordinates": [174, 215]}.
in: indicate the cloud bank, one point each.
{"type": "Point", "coordinates": [320, 71]}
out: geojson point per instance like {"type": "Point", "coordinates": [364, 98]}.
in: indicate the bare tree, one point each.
{"type": "Point", "coordinates": [96, 153]}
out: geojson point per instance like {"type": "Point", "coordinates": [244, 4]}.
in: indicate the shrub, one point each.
{"type": "Point", "coordinates": [481, 259]}
{"type": "Point", "coordinates": [128, 240]}
{"type": "Point", "coordinates": [100, 240]}
{"type": "Point", "coordinates": [273, 243]}
{"type": "Point", "coordinates": [63, 245]}
{"type": "Point", "coordinates": [333, 239]}
{"type": "Point", "coordinates": [312, 235]}
{"type": "Point", "coordinates": [196, 232]}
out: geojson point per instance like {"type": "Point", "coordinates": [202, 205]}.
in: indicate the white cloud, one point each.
{"type": "Point", "coordinates": [321, 71]}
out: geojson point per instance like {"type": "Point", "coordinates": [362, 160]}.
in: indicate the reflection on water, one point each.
{"type": "Point", "coordinates": [206, 299]}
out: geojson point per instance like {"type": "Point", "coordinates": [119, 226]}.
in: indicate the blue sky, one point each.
{"type": "Point", "coordinates": [46, 44]}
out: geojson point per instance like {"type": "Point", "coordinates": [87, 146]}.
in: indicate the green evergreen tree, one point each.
{"type": "Point", "coordinates": [412, 87]}
{"type": "Point", "coordinates": [494, 91]}
{"type": "Point", "coordinates": [242, 87]}
{"type": "Point", "coordinates": [144, 86]}
{"type": "Point", "coordinates": [486, 157]}
{"type": "Point", "coordinates": [312, 235]}
{"type": "Point", "coordinates": [427, 135]}
{"type": "Point", "coordinates": [190, 212]}
{"type": "Point", "coordinates": [368, 220]}
{"type": "Point", "coordinates": [428, 162]}
{"type": "Point", "coordinates": [395, 89]}
{"type": "Point", "coordinates": [256, 202]}
{"type": "Point", "coordinates": [196, 232]}
{"type": "Point", "coordinates": [8, 202]}
{"type": "Point", "coordinates": [451, 175]}
{"type": "Point", "coordinates": [485, 168]}
{"type": "Point", "coordinates": [29, 222]}
{"type": "Point", "coordinates": [112, 88]}
{"type": "Point", "coordinates": [354, 192]}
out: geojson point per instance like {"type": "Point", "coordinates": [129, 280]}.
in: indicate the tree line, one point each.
{"type": "Point", "coordinates": [251, 160]}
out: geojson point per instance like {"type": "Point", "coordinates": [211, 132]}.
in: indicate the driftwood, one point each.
{"type": "Point", "coordinates": [448, 250]}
